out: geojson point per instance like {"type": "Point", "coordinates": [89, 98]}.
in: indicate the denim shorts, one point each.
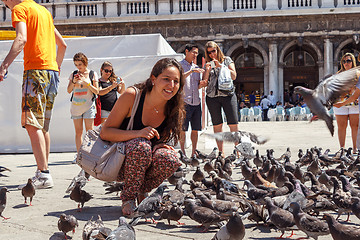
{"type": "Point", "coordinates": [193, 116]}
{"type": "Point", "coordinates": [89, 114]}
{"type": "Point", "coordinates": [39, 90]}
{"type": "Point", "coordinates": [104, 113]}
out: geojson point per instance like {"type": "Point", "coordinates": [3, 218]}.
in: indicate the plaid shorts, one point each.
{"type": "Point", "coordinates": [39, 90]}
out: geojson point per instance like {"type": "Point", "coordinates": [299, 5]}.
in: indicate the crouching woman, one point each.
{"type": "Point", "coordinates": [150, 158]}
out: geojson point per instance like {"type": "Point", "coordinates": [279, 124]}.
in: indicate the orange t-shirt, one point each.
{"type": "Point", "coordinates": [40, 48]}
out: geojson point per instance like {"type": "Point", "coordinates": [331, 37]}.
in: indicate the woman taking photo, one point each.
{"type": "Point", "coordinates": [83, 85]}
{"type": "Point", "coordinates": [217, 99]}
{"type": "Point", "coordinates": [150, 158]}
{"type": "Point", "coordinates": [350, 111]}
{"type": "Point", "coordinates": [109, 85]}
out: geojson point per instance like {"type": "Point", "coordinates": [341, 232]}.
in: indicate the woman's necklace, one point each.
{"type": "Point", "coordinates": [157, 111]}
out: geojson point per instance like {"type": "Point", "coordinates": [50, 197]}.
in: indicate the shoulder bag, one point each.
{"type": "Point", "coordinates": [225, 82]}
{"type": "Point", "coordinates": [103, 159]}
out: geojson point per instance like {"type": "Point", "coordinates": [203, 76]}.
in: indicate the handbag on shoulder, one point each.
{"type": "Point", "coordinates": [103, 159]}
{"type": "Point", "coordinates": [225, 82]}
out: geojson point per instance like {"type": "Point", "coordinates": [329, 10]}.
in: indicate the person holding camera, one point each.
{"type": "Point", "coordinates": [109, 86]}
{"type": "Point", "coordinates": [83, 85]}
{"type": "Point", "coordinates": [217, 99]}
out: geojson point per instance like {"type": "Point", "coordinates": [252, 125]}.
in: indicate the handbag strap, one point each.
{"type": "Point", "coordinates": [134, 108]}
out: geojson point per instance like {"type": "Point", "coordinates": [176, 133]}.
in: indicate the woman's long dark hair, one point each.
{"type": "Point", "coordinates": [174, 108]}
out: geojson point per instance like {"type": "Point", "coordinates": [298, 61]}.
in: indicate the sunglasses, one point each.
{"type": "Point", "coordinates": [211, 51]}
{"type": "Point", "coordinates": [347, 61]}
{"type": "Point", "coordinates": [107, 71]}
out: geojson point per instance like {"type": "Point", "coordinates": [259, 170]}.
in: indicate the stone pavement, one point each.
{"type": "Point", "coordinates": [40, 220]}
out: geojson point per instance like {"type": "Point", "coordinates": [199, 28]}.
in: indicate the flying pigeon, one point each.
{"type": "Point", "coordinates": [238, 137]}
{"type": "Point", "coordinates": [328, 92]}
{"type": "Point", "coordinates": [3, 192]}
{"type": "Point", "coordinates": [67, 223]}
{"type": "Point", "coordinates": [82, 178]}
{"type": "Point", "coordinates": [29, 190]}
{"type": "Point", "coordinates": [124, 231]}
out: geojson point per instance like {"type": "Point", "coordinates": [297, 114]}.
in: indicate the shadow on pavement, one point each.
{"type": "Point", "coordinates": [107, 213]}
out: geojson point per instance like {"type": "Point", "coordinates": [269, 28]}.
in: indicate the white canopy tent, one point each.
{"type": "Point", "coordinates": [132, 56]}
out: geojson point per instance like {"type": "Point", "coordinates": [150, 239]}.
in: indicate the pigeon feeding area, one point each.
{"type": "Point", "coordinates": [296, 184]}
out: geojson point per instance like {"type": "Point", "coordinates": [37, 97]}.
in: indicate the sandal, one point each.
{"type": "Point", "coordinates": [128, 207]}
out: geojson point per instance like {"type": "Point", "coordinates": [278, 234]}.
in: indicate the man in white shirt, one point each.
{"type": "Point", "coordinates": [272, 99]}
{"type": "Point", "coordinates": [265, 104]}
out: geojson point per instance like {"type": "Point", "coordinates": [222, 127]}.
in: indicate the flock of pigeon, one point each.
{"type": "Point", "coordinates": [291, 193]}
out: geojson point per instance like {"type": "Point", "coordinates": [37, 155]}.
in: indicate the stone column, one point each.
{"type": "Point", "coordinates": [328, 57]}
{"type": "Point", "coordinates": [281, 82]}
{"type": "Point", "coordinates": [273, 69]}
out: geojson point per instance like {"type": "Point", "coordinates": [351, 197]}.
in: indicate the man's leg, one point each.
{"type": "Point", "coordinates": [47, 144]}
{"type": "Point", "coordinates": [38, 144]}
{"type": "Point", "coordinates": [194, 140]}
{"type": "Point", "coordinates": [182, 141]}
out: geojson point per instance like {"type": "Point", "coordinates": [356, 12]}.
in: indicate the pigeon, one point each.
{"type": "Point", "coordinates": [355, 206]}
{"type": "Point", "coordinates": [201, 155]}
{"type": "Point", "coordinates": [29, 190]}
{"type": "Point", "coordinates": [67, 223]}
{"type": "Point", "coordinates": [3, 192]}
{"type": "Point", "coordinates": [94, 228]}
{"type": "Point", "coordinates": [2, 169]}
{"type": "Point", "coordinates": [238, 137]}
{"type": "Point", "coordinates": [234, 229]}
{"type": "Point", "coordinates": [184, 159]}
{"type": "Point", "coordinates": [82, 177]}
{"type": "Point", "coordinates": [198, 175]}
{"type": "Point", "coordinates": [311, 226]}
{"type": "Point", "coordinates": [175, 196]}
{"type": "Point", "coordinates": [282, 219]}
{"type": "Point", "coordinates": [202, 215]}
{"type": "Point", "coordinates": [114, 187]}
{"type": "Point", "coordinates": [80, 196]}
{"type": "Point", "coordinates": [175, 213]}
{"type": "Point", "coordinates": [328, 92]}
{"type": "Point", "coordinates": [340, 231]}
{"type": "Point", "coordinates": [148, 206]}
{"type": "Point", "coordinates": [213, 154]}
{"type": "Point", "coordinates": [124, 231]}
{"type": "Point", "coordinates": [219, 206]}
{"type": "Point", "coordinates": [194, 161]}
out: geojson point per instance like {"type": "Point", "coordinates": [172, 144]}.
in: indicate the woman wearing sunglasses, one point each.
{"type": "Point", "coordinates": [217, 99]}
{"type": "Point", "coordinates": [350, 111]}
{"type": "Point", "coordinates": [109, 84]}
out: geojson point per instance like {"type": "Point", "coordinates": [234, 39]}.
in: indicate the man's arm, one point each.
{"type": "Point", "coordinates": [61, 48]}
{"type": "Point", "coordinates": [16, 48]}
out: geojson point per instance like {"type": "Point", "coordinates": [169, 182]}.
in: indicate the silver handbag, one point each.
{"type": "Point", "coordinates": [103, 159]}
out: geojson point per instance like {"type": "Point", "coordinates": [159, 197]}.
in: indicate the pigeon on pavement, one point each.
{"type": "Point", "coordinates": [94, 228]}
{"type": "Point", "coordinates": [29, 190]}
{"type": "Point", "coordinates": [233, 229]}
{"type": "Point", "coordinates": [123, 232]}
{"type": "Point", "coordinates": [80, 196]}
{"type": "Point", "coordinates": [3, 192]}
{"type": "Point", "coordinates": [67, 223]}
{"type": "Point", "coordinates": [328, 92]}
{"type": "Point", "coordinates": [341, 231]}
{"type": "Point", "coordinates": [148, 206]}
{"type": "Point", "coordinates": [312, 226]}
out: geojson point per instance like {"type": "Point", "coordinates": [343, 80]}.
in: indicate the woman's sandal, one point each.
{"type": "Point", "coordinates": [128, 207]}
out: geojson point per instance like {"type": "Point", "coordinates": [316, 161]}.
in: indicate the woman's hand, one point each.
{"type": "Point", "coordinates": [208, 66]}
{"type": "Point", "coordinates": [217, 63]}
{"type": "Point", "coordinates": [162, 145]}
{"type": "Point", "coordinates": [149, 133]}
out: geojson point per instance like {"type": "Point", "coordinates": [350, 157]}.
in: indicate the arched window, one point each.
{"type": "Point", "coordinates": [299, 58]}
{"type": "Point", "coordinates": [249, 60]}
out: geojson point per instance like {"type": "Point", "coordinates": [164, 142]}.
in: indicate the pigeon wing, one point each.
{"type": "Point", "coordinates": [333, 87]}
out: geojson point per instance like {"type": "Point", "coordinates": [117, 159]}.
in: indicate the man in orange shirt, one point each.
{"type": "Point", "coordinates": [38, 37]}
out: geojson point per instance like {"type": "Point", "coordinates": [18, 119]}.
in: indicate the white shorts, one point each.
{"type": "Point", "coordinates": [346, 110]}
